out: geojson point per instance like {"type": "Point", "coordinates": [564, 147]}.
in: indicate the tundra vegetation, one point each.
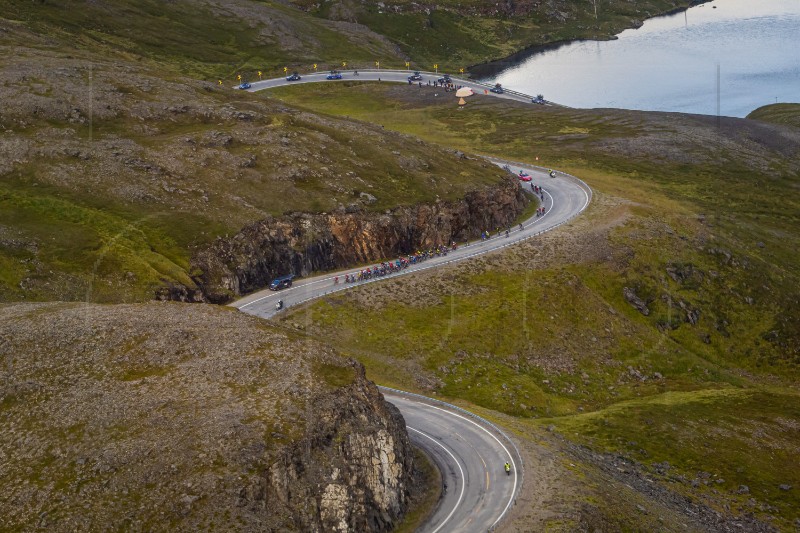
{"type": "Point", "coordinates": [655, 338]}
{"type": "Point", "coordinates": [661, 326]}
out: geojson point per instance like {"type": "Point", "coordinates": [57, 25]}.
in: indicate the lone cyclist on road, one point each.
{"type": "Point", "coordinates": [508, 468]}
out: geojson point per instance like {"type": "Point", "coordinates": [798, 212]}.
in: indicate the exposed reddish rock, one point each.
{"type": "Point", "coordinates": [305, 243]}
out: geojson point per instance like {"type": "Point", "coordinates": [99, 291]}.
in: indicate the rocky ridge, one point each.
{"type": "Point", "coordinates": [302, 243]}
{"type": "Point", "coordinates": [166, 416]}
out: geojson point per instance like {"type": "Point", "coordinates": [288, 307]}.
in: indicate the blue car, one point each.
{"type": "Point", "coordinates": [283, 282]}
{"type": "Point", "coordinates": [415, 77]}
{"type": "Point", "coordinates": [244, 86]}
{"type": "Point", "coordinates": [294, 77]}
{"type": "Point", "coordinates": [497, 89]}
{"type": "Point", "coordinates": [334, 75]}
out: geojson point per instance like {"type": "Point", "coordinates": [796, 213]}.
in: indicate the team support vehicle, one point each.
{"type": "Point", "coordinates": [283, 282]}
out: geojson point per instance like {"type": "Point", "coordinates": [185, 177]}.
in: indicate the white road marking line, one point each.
{"type": "Point", "coordinates": [463, 480]}
{"type": "Point", "coordinates": [513, 463]}
{"type": "Point", "coordinates": [266, 314]}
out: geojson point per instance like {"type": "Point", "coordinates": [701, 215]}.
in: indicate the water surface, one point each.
{"type": "Point", "coordinates": [671, 63]}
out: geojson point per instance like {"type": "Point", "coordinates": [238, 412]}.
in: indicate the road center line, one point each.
{"type": "Point", "coordinates": [513, 463]}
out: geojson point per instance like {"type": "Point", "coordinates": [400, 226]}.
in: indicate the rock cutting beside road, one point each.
{"type": "Point", "coordinates": [168, 416]}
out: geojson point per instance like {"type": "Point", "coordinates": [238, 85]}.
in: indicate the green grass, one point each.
{"type": "Point", "coordinates": [208, 44]}
{"type": "Point", "coordinates": [453, 35]}
{"type": "Point", "coordinates": [423, 501]}
{"type": "Point", "coordinates": [335, 376]}
{"type": "Point", "coordinates": [542, 332]}
{"type": "Point", "coordinates": [117, 225]}
{"type": "Point", "coordinates": [786, 114]}
{"type": "Point", "coordinates": [93, 249]}
{"type": "Point", "coordinates": [739, 437]}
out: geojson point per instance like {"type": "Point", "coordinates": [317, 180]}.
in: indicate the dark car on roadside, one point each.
{"type": "Point", "coordinates": [415, 77]}
{"type": "Point", "coordinates": [444, 80]}
{"type": "Point", "coordinates": [284, 282]}
{"type": "Point", "coordinates": [497, 89]}
{"type": "Point", "coordinates": [334, 75]}
{"type": "Point", "coordinates": [244, 86]}
{"type": "Point", "coordinates": [294, 77]}
{"type": "Point", "coordinates": [538, 99]}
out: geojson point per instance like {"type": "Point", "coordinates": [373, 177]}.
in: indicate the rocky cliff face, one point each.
{"type": "Point", "coordinates": [165, 416]}
{"type": "Point", "coordinates": [351, 472]}
{"type": "Point", "coordinates": [303, 243]}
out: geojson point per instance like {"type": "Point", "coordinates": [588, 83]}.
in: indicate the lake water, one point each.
{"type": "Point", "coordinates": [671, 62]}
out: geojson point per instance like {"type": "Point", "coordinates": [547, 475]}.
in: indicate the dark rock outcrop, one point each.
{"type": "Point", "coordinates": [190, 418]}
{"type": "Point", "coordinates": [304, 243]}
{"type": "Point", "coordinates": [637, 303]}
{"type": "Point", "coordinates": [352, 472]}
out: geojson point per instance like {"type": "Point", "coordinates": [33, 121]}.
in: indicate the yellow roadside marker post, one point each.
{"type": "Point", "coordinates": [408, 65]}
{"type": "Point", "coordinates": [378, 64]}
{"type": "Point", "coordinates": [259, 74]}
{"type": "Point", "coordinates": [436, 67]}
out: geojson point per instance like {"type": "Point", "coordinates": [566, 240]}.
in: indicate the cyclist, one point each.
{"type": "Point", "coordinates": [508, 468]}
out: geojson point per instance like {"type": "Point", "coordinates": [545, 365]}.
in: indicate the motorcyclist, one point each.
{"type": "Point", "coordinates": [507, 467]}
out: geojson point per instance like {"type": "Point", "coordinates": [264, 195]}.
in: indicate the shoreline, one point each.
{"type": "Point", "coordinates": [486, 69]}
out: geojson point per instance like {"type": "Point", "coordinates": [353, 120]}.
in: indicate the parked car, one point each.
{"type": "Point", "coordinates": [283, 282]}
{"type": "Point", "coordinates": [524, 176]}
{"type": "Point", "coordinates": [244, 86]}
{"type": "Point", "coordinates": [538, 99]}
{"type": "Point", "coordinates": [444, 80]}
{"type": "Point", "coordinates": [294, 77]}
{"type": "Point", "coordinates": [498, 89]}
{"type": "Point", "coordinates": [334, 75]}
{"type": "Point", "coordinates": [415, 77]}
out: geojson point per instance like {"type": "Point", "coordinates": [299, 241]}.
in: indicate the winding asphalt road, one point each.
{"type": "Point", "coordinates": [564, 198]}
{"type": "Point", "coordinates": [392, 76]}
{"type": "Point", "coordinates": [470, 454]}
{"type": "Point", "coordinates": [469, 451]}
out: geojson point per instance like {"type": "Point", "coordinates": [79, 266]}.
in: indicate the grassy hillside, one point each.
{"type": "Point", "coordinates": [222, 39]}
{"type": "Point", "coordinates": [114, 171]}
{"type": "Point", "coordinates": [164, 416]}
{"type": "Point", "coordinates": [117, 163]}
{"type": "Point", "coordinates": [205, 39]}
{"type": "Point", "coordinates": [456, 34]}
{"type": "Point", "coordinates": [786, 114]}
{"type": "Point", "coordinates": [700, 222]}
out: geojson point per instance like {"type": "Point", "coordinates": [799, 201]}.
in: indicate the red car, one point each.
{"type": "Point", "coordinates": [524, 177]}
